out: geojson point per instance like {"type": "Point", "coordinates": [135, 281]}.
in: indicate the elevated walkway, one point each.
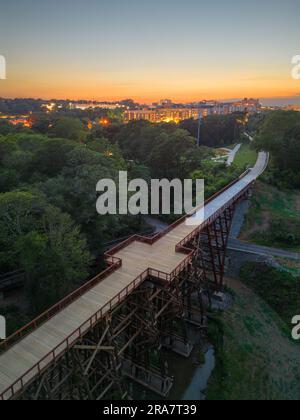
{"type": "Point", "coordinates": [32, 349]}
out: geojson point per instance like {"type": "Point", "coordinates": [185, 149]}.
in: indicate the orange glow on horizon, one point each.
{"type": "Point", "coordinates": [148, 87]}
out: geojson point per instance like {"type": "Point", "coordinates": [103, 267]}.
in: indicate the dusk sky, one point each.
{"type": "Point", "coordinates": [147, 50]}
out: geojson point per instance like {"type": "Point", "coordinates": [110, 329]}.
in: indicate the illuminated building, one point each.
{"type": "Point", "coordinates": [164, 114]}
{"type": "Point", "coordinates": [26, 122]}
{"type": "Point", "coordinates": [246, 105]}
{"type": "Point", "coordinates": [49, 107]}
{"type": "Point", "coordinates": [94, 105]}
{"type": "Point", "coordinates": [166, 103]}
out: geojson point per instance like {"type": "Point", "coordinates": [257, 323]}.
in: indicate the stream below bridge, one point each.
{"type": "Point", "coordinates": [191, 375]}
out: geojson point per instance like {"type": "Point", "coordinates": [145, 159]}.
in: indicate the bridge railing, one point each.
{"type": "Point", "coordinates": [114, 264]}
{"type": "Point", "coordinates": [180, 247]}
{"type": "Point", "coordinates": [76, 335]}
{"type": "Point", "coordinates": [155, 238]}
{"type": "Point", "coordinates": [80, 332]}
{"type": "Point", "coordinates": [69, 341]}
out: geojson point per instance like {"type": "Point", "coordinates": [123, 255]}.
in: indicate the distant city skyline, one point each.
{"type": "Point", "coordinates": [272, 101]}
{"type": "Point", "coordinates": [284, 101]}
{"type": "Point", "coordinates": [187, 51]}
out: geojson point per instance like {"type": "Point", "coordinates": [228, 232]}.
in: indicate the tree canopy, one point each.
{"type": "Point", "coordinates": [49, 226]}
{"type": "Point", "coordinates": [216, 130]}
{"type": "Point", "coordinates": [167, 150]}
{"type": "Point", "coordinates": [44, 242]}
{"type": "Point", "coordinates": [279, 133]}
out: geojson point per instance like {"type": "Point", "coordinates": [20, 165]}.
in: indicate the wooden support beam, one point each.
{"type": "Point", "coordinates": [97, 349]}
{"type": "Point", "coordinates": [93, 348]}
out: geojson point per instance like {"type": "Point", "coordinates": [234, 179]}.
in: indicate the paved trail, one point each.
{"type": "Point", "coordinates": [236, 245]}
{"type": "Point", "coordinates": [232, 154]}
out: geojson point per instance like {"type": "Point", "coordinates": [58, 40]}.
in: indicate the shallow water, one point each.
{"type": "Point", "coordinates": [199, 382]}
{"type": "Point", "coordinates": [191, 378]}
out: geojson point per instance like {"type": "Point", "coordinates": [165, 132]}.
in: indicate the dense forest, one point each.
{"type": "Point", "coordinates": [279, 133]}
{"type": "Point", "coordinates": [217, 130]}
{"type": "Point", "coordinates": [49, 227]}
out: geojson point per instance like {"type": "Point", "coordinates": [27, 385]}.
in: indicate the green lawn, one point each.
{"type": "Point", "coordinates": [246, 157]}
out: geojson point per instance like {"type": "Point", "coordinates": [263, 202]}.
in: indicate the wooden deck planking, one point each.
{"type": "Point", "coordinates": [136, 258]}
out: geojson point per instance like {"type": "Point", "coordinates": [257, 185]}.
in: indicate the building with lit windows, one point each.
{"type": "Point", "coordinates": [164, 114]}
{"type": "Point", "coordinates": [95, 105]}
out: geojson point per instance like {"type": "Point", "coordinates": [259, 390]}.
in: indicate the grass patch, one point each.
{"type": "Point", "coordinates": [280, 289]}
{"type": "Point", "coordinates": [246, 157]}
{"type": "Point", "coordinates": [291, 266]}
{"type": "Point", "coordinates": [255, 358]}
{"type": "Point", "coordinates": [274, 218]}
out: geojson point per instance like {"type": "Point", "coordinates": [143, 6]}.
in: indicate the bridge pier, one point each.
{"type": "Point", "coordinates": [178, 345]}
{"type": "Point", "coordinates": [148, 378]}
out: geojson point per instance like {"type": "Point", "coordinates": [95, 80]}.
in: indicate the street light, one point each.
{"type": "Point", "coordinates": [199, 129]}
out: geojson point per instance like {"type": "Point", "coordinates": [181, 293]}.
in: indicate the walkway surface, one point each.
{"type": "Point", "coordinates": [233, 154]}
{"type": "Point", "coordinates": [251, 138]}
{"type": "Point", "coordinates": [34, 352]}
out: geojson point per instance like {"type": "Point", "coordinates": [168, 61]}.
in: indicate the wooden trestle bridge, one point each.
{"type": "Point", "coordinates": [114, 326]}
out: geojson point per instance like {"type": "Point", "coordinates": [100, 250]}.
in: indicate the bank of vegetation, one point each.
{"type": "Point", "coordinates": [246, 157]}
{"type": "Point", "coordinates": [274, 216]}
{"type": "Point", "coordinates": [255, 356]}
